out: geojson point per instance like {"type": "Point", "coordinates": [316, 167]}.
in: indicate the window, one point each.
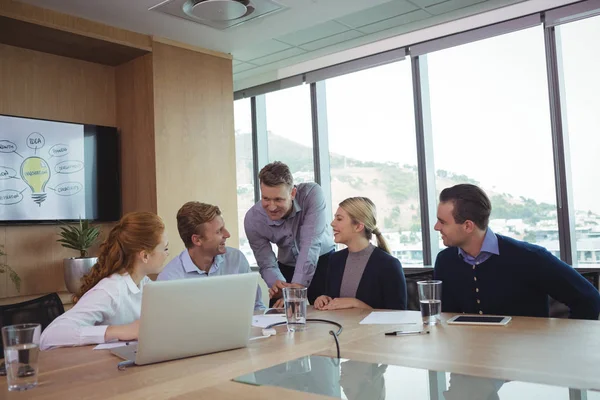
{"type": "Point", "coordinates": [372, 149]}
{"type": "Point", "coordinates": [289, 131]}
{"type": "Point", "coordinates": [491, 127]}
{"type": "Point", "coordinates": [578, 43]}
{"type": "Point", "coordinates": [245, 169]}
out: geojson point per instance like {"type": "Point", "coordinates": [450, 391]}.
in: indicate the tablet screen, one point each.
{"type": "Point", "coordinates": [481, 318]}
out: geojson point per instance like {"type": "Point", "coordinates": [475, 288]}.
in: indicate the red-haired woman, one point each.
{"type": "Point", "coordinates": [109, 302]}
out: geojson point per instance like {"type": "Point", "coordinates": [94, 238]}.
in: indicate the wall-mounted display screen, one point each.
{"type": "Point", "coordinates": [58, 171]}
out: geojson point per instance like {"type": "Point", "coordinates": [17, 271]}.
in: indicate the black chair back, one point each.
{"type": "Point", "coordinates": [42, 310]}
{"type": "Point", "coordinates": [412, 293]}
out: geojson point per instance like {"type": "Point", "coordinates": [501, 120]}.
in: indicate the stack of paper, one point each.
{"type": "Point", "coordinates": [393, 317]}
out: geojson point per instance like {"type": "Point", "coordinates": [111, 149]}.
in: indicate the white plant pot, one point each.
{"type": "Point", "coordinates": [75, 269]}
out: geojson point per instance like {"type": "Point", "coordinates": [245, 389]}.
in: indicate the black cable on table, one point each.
{"type": "Point", "coordinates": [326, 321]}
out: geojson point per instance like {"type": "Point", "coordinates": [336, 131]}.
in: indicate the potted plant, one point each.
{"type": "Point", "coordinates": [4, 268]}
{"type": "Point", "coordinates": [78, 237]}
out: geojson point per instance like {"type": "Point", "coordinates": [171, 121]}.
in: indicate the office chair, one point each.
{"type": "Point", "coordinates": [412, 292]}
{"type": "Point", "coordinates": [42, 310]}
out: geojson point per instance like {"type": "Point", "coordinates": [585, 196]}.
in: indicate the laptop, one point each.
{"type": "Point", "coordinates": [190, 317]}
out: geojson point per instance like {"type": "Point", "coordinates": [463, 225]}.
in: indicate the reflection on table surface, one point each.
{"type": "Point", "coordinates": [356, 380]}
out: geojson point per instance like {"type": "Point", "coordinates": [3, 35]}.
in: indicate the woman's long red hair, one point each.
{"type": "Point", "coordinates": [135, 232]}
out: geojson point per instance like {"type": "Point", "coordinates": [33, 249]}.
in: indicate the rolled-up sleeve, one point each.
{"type": "Point", "coordinates": [77, 327]}
{"type": "Point", "coordinates": [310, 236]}
{"type": "Point", "coordinates": [261, 247]}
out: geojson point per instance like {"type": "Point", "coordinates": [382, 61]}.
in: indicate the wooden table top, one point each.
{"type": "Point", "coordinates": [551, 351]}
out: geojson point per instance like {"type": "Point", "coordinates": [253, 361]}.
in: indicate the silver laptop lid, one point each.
{"type": "Point", "coordinates": [188, 317]}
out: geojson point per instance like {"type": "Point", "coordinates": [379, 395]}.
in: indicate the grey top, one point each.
{"type": "Point", "coordinates": [301, 238]}
{"type": "Point", "coordinates": [353, 271]}
{"type": "Point", "coordinates": [232, 262]}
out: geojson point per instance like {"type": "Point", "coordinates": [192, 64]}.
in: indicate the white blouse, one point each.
{"type": "Point", "coordinates": [115, 300]}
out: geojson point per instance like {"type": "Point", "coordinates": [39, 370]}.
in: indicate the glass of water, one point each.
{"type": "Point", "coordinates": [21, 350]}
{"type": "Point", "coordinates": [430, 297]}
{"type": "Point", "coordinates": [295, 308]}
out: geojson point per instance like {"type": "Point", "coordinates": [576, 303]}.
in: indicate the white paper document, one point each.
{"type": "Point", "coordinates": [393, 317]}
{"type": "Point", "coordinates": [262, 321]}
{"type": "Point", "coordinates": [112, 345]}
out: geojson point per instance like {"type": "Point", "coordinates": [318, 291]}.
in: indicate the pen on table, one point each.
{"type": "Point", "coordinates": [402, 333]}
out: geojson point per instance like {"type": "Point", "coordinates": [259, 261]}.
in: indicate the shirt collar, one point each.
{"type": "Point", "coordinates": [296, 208]}
{"type": "Point", "coordinates": [190, 268]}
{"type": "Point", "coordinates": [133, 288]}
{"type": "Point", "coordinates": [489, 245]}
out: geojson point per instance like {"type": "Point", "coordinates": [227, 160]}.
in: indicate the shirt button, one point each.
{"type": "Point", "coordinates": [475, 278]}
{"type": "Point", "coordinates": [478, 301]}
{"type": "Point", "coordinates": [480, 312]}
{"type": "Point", "coordinates": [477, 290]}
{"type": "Point", "coordinates": [473, 267]}
{"type": "Point", "coordinates": [477, 263]}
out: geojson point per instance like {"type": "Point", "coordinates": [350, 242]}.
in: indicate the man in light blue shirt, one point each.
{"type": "Point", "coordinates": [203, 232]}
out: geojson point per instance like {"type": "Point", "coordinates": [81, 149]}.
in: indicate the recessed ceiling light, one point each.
{"type": "Point", "coordinates": [215, 10]}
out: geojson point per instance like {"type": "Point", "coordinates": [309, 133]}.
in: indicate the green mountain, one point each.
{"type": "Point", "coordinates": [392, 187]}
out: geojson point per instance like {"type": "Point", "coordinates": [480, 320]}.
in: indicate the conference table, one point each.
{"type": "Point", "coordinates": [556, 356]}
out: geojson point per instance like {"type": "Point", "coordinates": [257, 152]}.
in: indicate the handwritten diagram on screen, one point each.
{"type": "Point", "coordinates": [42, 173]}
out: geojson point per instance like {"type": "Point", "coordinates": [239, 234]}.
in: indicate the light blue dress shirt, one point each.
{"type": "Point", "coordinates": [488, 247]}
{"type": "Point", "coordinates": [232, 262]}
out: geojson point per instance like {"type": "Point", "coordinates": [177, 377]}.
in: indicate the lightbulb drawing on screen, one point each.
{"type": "Point", "coordinates": [36, 173]}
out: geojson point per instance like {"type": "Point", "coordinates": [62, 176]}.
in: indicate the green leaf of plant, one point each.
{"type": "Point", "coordinates": [14, 277]}
{"type": "Point", "coordinates": [80, 237]}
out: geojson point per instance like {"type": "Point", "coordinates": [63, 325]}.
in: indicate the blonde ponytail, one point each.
{"type": "Point", "coordinates": [381, 242]}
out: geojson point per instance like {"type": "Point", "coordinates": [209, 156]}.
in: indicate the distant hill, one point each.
{"type": "Point", "coordinates": [393, 188]}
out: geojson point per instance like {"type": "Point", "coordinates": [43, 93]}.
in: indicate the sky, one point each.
{"type": "Point", "coordinates": [489, 111]}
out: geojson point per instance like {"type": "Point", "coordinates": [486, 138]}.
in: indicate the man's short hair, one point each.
{"type": "Point", "coordinates": [470, 203]}
{"type": "Point", "coordinates": [190, 218]}
{"type": "Point", "coordinates": [275, 174]}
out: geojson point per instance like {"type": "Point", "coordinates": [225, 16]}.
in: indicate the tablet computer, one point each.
{"type": "Point", "coordinates": [465, 319]}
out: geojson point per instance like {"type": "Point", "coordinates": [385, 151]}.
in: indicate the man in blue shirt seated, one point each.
{"type": "Point", "coordinates": [485, 273]}
{"type": "Point", "coordinates": [203, 232]}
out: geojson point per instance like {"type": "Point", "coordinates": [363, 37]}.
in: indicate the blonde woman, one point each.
{"type": "Point", "coordinates": [362, 275]}
{"type": "Point", "coordinates": [109, 303]}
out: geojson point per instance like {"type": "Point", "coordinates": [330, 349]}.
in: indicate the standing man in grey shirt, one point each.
{"type": "Point", "coordinates": [203, 232]}
{"type": "Point", "coordinates": [293, 218]}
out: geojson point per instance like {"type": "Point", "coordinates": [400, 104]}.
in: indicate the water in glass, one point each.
{"type": "Point", "coordinates": [295, 311]}
{"type": "Point", "coordinates": [21, 366]}
{"type": "Point", "coordinates": [431, 311]}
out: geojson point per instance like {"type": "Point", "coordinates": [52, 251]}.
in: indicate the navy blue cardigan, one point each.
{"type": "Point", "coordinates": [382, 284]}
{"type": "Point", "coordinates": [518, 281]}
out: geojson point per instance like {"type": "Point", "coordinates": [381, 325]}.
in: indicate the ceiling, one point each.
{"type": "Point", "coordinates": [304, 30]}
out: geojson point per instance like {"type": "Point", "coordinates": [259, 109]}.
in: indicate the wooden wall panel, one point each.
{"type": "Point", "coordinates": [46, 86]}
{"type": "Point", "coordinates": [195, 148]}
{"type": "Point", "coordinates": [40, 85]}
{"type": "Point", "coordinates": [69, 23]}
{"type": "Point", "coordinates": [135, 118]}
{"type": "Point", "coordinates": [3, 277]}
{"type": "Point", "coordinates": [28, 35]}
